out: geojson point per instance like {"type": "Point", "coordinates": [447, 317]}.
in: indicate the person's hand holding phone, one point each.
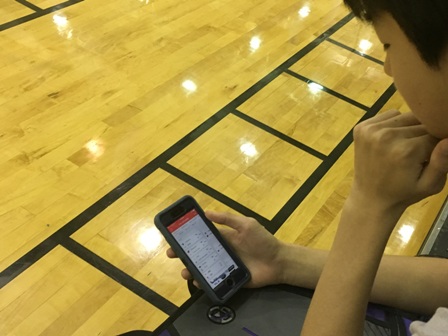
{"type": "Point", "coordinates": [258, 249]}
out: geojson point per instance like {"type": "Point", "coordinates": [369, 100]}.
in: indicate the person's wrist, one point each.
{"type": "Point", "coordinates": [301, 265]}
{"type": "Point", "coordinates": [288, 259]}
{"type": "Point", "coordinates": [370, 217]}
{"type": "Point", "coordinates": [374, 207]}
{"type": "Point", "coordinates": [281, 262]}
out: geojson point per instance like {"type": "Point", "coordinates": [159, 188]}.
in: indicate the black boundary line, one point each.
{"type": "Point", "coordinates": [328, 90]}
{"type": "Point", "coordinates": [346, 47]}
{"type": "Point", "coordinates": [279, 134]}
{"type": "Point", "coordinates": [215, 194]}
{"type": "Point", "coordinates": [29, 5]}
{"type": "Point", "coordinates": [326, 165]}
{"type": "Point", "coordinates": [37, 14]}
{"type": "Point", "coordinates": [27, 260]}
{"type": "Point", "coordinates": [119, 276]}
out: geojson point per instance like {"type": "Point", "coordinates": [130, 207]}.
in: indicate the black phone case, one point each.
{"type": "Point", "coordinates": [186, 260]}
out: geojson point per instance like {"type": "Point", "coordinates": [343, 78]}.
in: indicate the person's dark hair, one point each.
{"type": "Point", "coordinates": [425, 22]}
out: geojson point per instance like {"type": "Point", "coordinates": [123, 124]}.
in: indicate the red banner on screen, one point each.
{"type": "Point", "coordinates": [181, 221]}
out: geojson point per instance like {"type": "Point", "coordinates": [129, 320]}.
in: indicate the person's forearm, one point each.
{"type": "Point", "coordinates": [415, 284]}
{"type": "Point", "coordinates": [347, 279]}
{"type": "Point", "coordinates": [423, 291]}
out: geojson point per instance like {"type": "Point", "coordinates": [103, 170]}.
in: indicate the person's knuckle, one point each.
{"type": "Point", "coordinates": [434, 187]}
{"type": "Point", "coordinates": [359, 130]}
{"type": "Point", "coordinates": [370, 133]}
{"type": "Point", "coordinates": [252, 221]}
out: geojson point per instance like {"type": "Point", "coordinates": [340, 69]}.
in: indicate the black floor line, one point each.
{"type": "Point", "coordinates": [215, 194]}
{"type": "Point", "coordinates": [279, 135]}
{"type": "Point", "coordinates": [37, 14]}
{"type": "Point", "coordinates": [342, 45]}
{"type": "Point", "coordinates": [29, 5]}
{"type": "Point", "coordinates": [26, 261]}
{"type": "Point", "coordinates": [328, 90]}
{"type": "Point", "coordinates": [119, 276]}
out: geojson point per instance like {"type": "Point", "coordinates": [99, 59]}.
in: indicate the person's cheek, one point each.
{"type": "Point", "coordinates": [388, 66]}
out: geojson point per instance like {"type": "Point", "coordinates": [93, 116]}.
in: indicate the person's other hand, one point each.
{"type": "Point", "coordinates": [397, 163]}
{"type": "Point", "coordinates": [258, 249]}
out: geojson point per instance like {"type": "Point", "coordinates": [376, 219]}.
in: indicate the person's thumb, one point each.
{"type": "Point", "coordinates": [434, 175]}
{"type": "Point", "coordinates": [225, 218]}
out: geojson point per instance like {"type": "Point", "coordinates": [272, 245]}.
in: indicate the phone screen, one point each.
{"type": "Point", "coordinates": [202, 247]}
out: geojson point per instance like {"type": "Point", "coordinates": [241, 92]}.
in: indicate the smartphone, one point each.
{"type": "Point", "coordinates": [200, 246]}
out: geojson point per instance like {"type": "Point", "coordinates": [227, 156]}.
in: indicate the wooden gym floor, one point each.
{"type": "Point", "coordinates": [111, 110]}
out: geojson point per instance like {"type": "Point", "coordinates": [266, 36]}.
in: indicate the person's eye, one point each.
{"type": "Point", "coordinates": [386, 46]}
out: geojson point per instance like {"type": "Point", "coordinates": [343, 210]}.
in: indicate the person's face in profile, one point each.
{"type": "Point", "coordinates": [425, 89]}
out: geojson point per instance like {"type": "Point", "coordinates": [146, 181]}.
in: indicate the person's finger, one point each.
{"type": "Point", "coordinates": [419, 150]}
{"type": "Point", "coordinates": [170, 253]}
{"type": "Point", "coordinates": [401, 120]}
{"type": "Point", "coordinates": [383, 116]}
{"type": "Point", "coordinates": [225, 218]}
{"type": "Point", "coordinates": [413, 131]}
{"type": "Point", "coordinates": [407, 119]}
{"type": "Point", "coordinates": [435, 174]}
{"type": "Point", "coordinates": [186, 274]}
{"type": "Point", "coordinates": [429, 144]}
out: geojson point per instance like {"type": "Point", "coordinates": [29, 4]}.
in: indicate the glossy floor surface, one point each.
{"type": "Point", "coordinates": [112, 110]}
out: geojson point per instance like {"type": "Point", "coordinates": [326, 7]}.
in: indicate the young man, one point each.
{"type": "Point", "coordinates": [399, 160]}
